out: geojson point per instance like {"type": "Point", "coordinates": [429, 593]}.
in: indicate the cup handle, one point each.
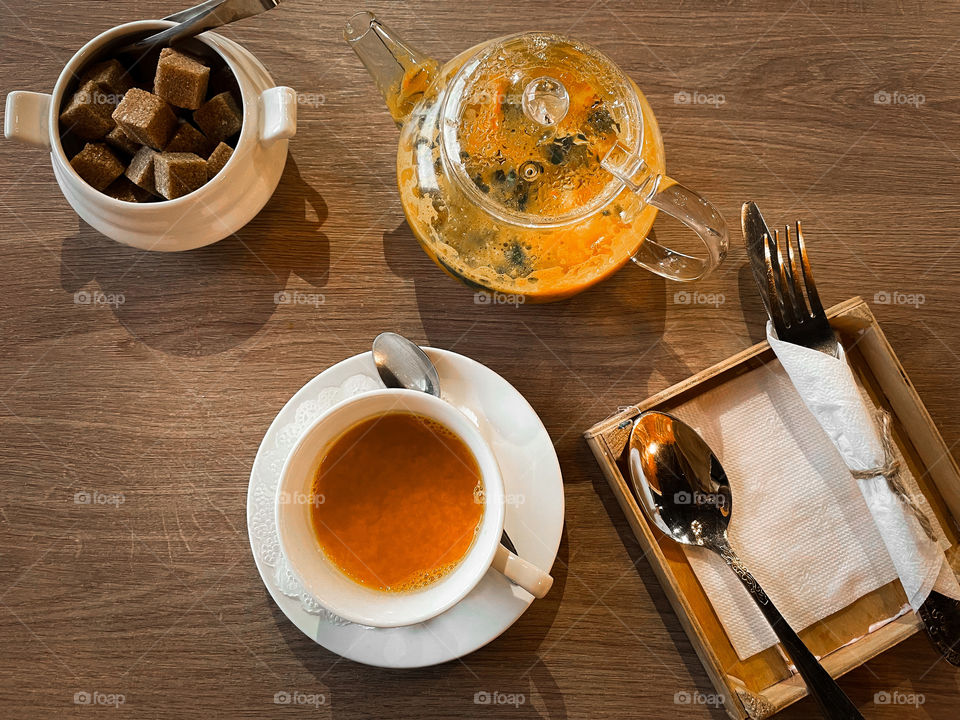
{"type": "Point", "coordinates": [688, 207]}
{"type": "Point", "coordinates": [278, 114]}
{"type": "Point", "coordinates": [520, 572]}
{"type": "Point", "coordinates": [27, 118]}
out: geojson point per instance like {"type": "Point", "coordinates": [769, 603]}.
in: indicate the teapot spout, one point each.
{"type": "Point", "coordinates": [402, 74]}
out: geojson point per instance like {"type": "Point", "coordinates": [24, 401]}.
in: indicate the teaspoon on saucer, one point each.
{"type": "Point", "coordinates": [683, 490]}
{"type": "Point", "coordinates": [402, 364]}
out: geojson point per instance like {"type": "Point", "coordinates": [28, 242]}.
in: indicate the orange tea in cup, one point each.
{"type": "Point", "coordinates": [399, 501]}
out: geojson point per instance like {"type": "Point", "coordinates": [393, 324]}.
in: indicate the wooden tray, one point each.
{"type": "Point", "coordinates": [763, 684]}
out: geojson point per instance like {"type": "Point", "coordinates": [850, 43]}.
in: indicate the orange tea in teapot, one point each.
{"type": "Point", "coordinates": [528, 165]}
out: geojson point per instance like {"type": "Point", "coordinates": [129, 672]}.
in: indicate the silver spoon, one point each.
{"type": "Point", "coordinates": [203, 17]}
{"type": "Point", "coordinates": [683, 490]}
{"type": "Point", "coordinates": [402, 364]}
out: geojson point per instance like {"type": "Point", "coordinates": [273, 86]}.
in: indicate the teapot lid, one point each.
{"type": "Point", "coordinates": [527, 121]}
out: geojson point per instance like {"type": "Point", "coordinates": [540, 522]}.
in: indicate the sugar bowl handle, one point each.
{"type": "Point", "coordinates": [278, 114]}
{"type": "Point", "coordinates": [688, 207]}
{"type": "Point", "coordinates": [27, 118]}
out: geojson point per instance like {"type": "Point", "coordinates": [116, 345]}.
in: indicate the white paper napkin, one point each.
{"type": "Point", "coordinates": [799, 521]}
{"type": "Point", "coordinates": [829, 390]}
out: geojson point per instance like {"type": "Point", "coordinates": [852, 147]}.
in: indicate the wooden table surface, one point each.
{"type": "Point", "coordinates": [165, 397]}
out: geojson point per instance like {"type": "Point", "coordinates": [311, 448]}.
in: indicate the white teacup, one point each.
{"type": "Point", "coordinates": [218, 209]}
{"type": "Point", "coordinates": [363, 605]}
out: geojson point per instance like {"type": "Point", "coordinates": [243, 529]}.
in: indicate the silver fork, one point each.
{"type": "Point", "coordinates": [797, 319]}
{"type": "Point", "coordinates": [805, 323]}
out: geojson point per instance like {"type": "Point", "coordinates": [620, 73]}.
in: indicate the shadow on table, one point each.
{"type": "Point", "coordinates": [754, 314]}
{"type": "Point", "coordinates": [589, 336]}
{"type": "Point", "coordinates": [655, 591]}
{"type": "Point", "coordinates": [912, 668]}
{"type": "Point", "coordinates": [208, 300]}
{"type": "Point", "coordinates": [510, 665]}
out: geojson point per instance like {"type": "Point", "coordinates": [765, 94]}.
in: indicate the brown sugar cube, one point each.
{"type": "Point", "coordinates": [97, 165]}
{"type": "Point", "coordinates": [119, 140]}
{"type": "Point", "coordinates": [146, 118]}
{"type": "Point", "coordinates": [123, 189]}
{"type": "Point", "coordinates": [141, 170]}
{"type": "Point", "coordinates": [111, 74]}
{"type": "Point", "coordinates": [181, 80]}
{"type": "Point", "coordinates": [219, 117]}
{"type": "Point", "coordinates": [87, 115]}
{"type": "Point", "coordinates": [218, 158]}
{"type": "Point", "coordinates": [179, 173]}
{"type": "Point", "coordinates": [188, 139]}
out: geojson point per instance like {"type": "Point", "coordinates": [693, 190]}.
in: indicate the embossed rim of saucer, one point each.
{"type": "Point", "coordinates": [530, 468]}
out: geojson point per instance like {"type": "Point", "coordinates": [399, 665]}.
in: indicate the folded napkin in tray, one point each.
{"type": "Point", "coordinates": [831, 393]}
{"type": "Point", "coordinates": [799, 523]}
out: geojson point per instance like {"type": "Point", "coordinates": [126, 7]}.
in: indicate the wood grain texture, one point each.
{"type": "Point", "coordinates": [166, 397]}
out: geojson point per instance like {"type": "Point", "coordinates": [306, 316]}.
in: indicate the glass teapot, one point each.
{"type": "Point", "coordinates": [530, 165]}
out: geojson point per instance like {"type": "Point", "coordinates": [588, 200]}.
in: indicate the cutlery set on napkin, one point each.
{"type": "Point", "coordinates": [827, 510]}
{"type": "Point", "coordinates": [813, 358]}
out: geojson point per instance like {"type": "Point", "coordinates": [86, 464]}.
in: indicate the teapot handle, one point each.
{"type": "Point", "coordinates": [694, 211]}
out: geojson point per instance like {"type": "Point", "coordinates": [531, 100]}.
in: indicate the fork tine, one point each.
{"type": "Point", "coordinates": [816, 307]}
{"type": "Point", "coordinates": [794, 278]}
{"type": "Point", "coordinates": [787, 300]}
{"type": "Point", "coordinates": [773, 289]}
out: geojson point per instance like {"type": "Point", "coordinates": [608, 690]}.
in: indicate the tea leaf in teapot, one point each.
{"type": "Point", "coordinates": [516, 261]}
{"type": "Point", "coordinates": [557, 150]}
{"type": "Point", "coordinates": [567, 150]}
{"type": "Point", "coordinates": [602, 121]}
{"type": "Point", "coordinates": [478, 181]}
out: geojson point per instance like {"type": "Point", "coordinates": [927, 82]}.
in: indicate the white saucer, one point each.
{"type": "Point", "coordinates": [534, 519]}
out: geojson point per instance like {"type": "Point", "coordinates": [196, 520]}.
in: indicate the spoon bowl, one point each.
{"type": "Point", "coordinates": [402, 364]}
{"type": "Point", "coordinates": [679, 481]}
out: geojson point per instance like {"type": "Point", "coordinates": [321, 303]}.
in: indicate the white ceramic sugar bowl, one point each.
{"type": "Point", "coordinates": [222, 206]}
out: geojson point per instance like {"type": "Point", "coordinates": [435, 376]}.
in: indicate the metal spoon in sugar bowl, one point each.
{"type": "Point", "coordinates": [200, 18]}
{"type": "Point", "coordinates": [683, 490]}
